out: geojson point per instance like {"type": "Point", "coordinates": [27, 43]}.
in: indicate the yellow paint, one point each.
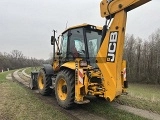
{"type": "Point", "coordinates": [78, 85]}
{"type": "Point", "coordinates": [86, 83]}
{"type": "Point", "coordinates": [111, 71]}
{"type": "Point", "coordinates": [82, 25]}
{"type": "Point", "coordinates": [111, 67]}
{"type": "Point", "coordinates": [114, 6]}
{"type": "Point", "coordinates": [70, 65]}
{"type": "Point", "coordinates": [56, 65]}
{"type": "Point", "coordinates": [40, 82]}
{"type": "Point", "coordinates": [61, 94]}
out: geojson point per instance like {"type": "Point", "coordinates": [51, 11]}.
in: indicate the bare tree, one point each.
{"type": "Point", "coordinates": [16, 59]}
{"type": "Point", "coordinates": [143, 58]}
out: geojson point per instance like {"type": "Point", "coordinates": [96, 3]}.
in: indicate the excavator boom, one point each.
{"type": "Point", "coordinates": [109, 57]}
{"type": "Point", "coordinates": [110, 7]}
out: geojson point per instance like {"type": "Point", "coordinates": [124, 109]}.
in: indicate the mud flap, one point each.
{"type": "Point", "coordinates": [33, 82]}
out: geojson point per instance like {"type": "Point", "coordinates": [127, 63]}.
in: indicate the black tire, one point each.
{"type": "Point", "coordinates": [65, 80]}
{"type": "Point", "coordinates": [44, 82]}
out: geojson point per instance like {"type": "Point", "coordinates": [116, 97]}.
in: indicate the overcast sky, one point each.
{"type": "Point", "coordinates": [26, 25]}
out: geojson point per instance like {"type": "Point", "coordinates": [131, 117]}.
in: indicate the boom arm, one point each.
{"type": "Point", "coordinates": [114, 6]}
{"type": "Point", "coordinates": [109, 57]}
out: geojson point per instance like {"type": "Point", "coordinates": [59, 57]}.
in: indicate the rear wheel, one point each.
{"type": "Point", "coordinates": [44, 83]}
{"type": "Point", "coordinates": [65, 88]}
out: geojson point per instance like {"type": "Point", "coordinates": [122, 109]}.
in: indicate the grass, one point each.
{"type": "Point", "coordinates": [3, 76]}
{"type": "Point", "coordinates": [20, 70]}
{"type": "Point", "coordinates": [106, 110]}
{"type": "Point", "coordinates": [30, 69]}
{"type": "Point", "coordinates": [17, 103]}
{"type": "Point", "coordinates": [145, 91]}
{"type": "Point", "coordinates": [142, 96]}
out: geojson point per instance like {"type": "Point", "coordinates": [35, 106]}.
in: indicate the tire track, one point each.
{"type": "Point", "coordinates": [77, 113]}
{"type": "Point", "coordinates": [80, 114]}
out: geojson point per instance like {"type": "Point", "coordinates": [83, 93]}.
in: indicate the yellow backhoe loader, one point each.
{"type": "Point", "coordinates": [87, 59]}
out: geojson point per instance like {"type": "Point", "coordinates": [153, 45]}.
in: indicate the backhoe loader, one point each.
{"type": "Point", "coordinates": [87, 59]}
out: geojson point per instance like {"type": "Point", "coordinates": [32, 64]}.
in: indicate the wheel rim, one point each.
{"type": "Point", "coordinates": [62, 89]}
{"type": "Point", "coordinates": [40, 81]}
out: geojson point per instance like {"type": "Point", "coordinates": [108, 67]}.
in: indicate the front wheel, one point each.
{"type": "Point", "coordinates": [65, 88]}
{"type": "Point", "coordinates": [44, 82]}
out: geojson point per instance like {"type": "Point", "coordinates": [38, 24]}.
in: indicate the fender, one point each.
{"type": "Point", "coordinates": [70, 65]}
{"type": "Point", "coordinates": [48, 69]}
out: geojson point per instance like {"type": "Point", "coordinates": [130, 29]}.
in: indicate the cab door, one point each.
{"type": "Point", "coordinates": [63, 49]}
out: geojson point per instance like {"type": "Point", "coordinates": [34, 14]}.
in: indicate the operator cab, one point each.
{"type": "Point", "coordinates": [82, 41]}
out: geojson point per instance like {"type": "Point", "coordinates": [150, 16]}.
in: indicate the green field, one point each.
{"type": "Point", "coordinates": [17, 103]}
{"type": "Point", "coordinates": [105, 109]}
{"type": "Point", "coordinates": [142, 96]}
{"type": "Point", "coordinates": [30, 69]}
{"type": "Point", "coordinates": [15, 100]}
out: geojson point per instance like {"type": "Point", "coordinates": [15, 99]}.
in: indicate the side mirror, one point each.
{"type": "Point", "coordinates": [53, 39]}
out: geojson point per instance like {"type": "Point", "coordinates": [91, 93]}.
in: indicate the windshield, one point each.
{"type": "Point", "coordinates": [82, 43]}
{"type": "Point", "coordinates": [77, 44]}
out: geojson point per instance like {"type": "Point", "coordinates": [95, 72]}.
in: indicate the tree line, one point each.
{"type": "Point", "coordinates": [16, 60]}
{"type": "Point", "coordinates": [143, 58]}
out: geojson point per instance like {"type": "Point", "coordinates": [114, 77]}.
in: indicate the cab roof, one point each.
{"type": "Point", "coordinates": [82, 25]}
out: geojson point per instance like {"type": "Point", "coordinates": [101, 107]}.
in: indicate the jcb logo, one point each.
{"type": "Point", "coordinates": [112, 47]}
